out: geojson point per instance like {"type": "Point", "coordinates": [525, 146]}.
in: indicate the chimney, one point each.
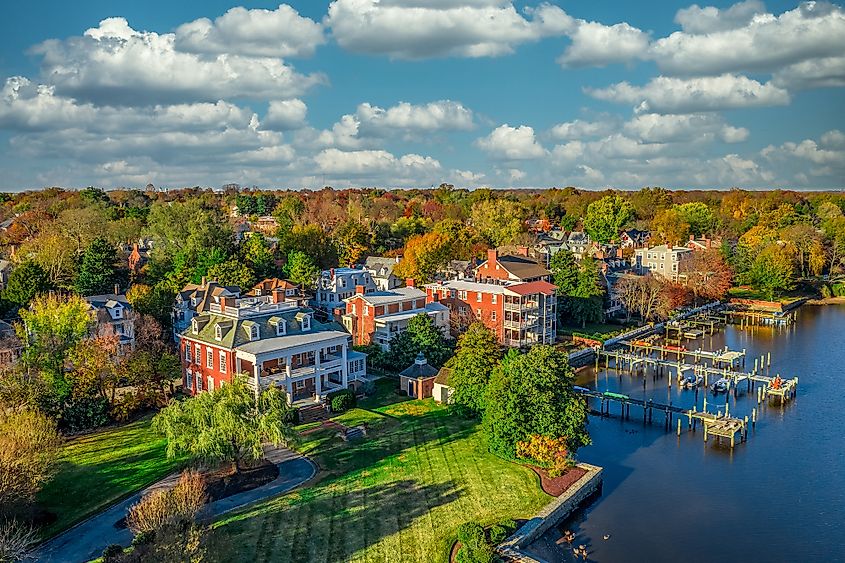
{"type": "Point", "coordinates": [204, 281]}
{"type": "Point", "coordinates": [691, 237]}
{"type": "Point", "coordinates": [116, 289]}
{"type": "Point", "coordinates": [409, 282]}
{"type": "Point", "coordinates": [359, 290]}
{"type": "Point", "coordinates": [522, 250]}
{"type": "Point", "coordinates": [278, 295]}
{"type": "Point", "coordinates": [492, 257]}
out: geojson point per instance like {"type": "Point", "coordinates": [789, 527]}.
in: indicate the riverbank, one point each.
{"type": "Point", "coordinates": [826, 301]}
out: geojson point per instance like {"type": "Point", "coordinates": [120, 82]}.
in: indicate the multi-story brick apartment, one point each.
{"type": "Point", "coordinates": [337, 284]}
{"type": "Point", "coordinates": [195, 299]}
{"type": "Point", "coordinates": [509, 269]}
{"type": "Point", "coordinates": [378, 316]}
{"type": "Point", "coordinates": [660, 260]}
{"type": "Point", "coordinates": [521, 314]}
{"type": "Point", "coordinates": [271, 344]}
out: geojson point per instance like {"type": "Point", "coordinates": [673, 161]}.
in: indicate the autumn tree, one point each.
{"type": "Point", "coordinates": [498, 221]}
{"type": "Point", "coordinates": [706, 274]}
{"type": "Point", "coordinates": [773, 271]}
{"type": "Point", "coordinates": [353, 239]}
{"type": "Point", "coordinates": [669, 227]}
{"type": "Point", "coordinates": [423, 256]}
{"type": "Point", "coordinates": [256, 254]}
{"type": "Point", "coordinates": [643, 295]}
{"type": "Point", "coordinates": [606, 217]}
{"type": "Point", "coordinates": [477, 355]}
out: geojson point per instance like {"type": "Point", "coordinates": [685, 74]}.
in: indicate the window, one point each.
{"type": "Point", "coordinates": [199, 384]}
{"type": "Point", "coordinates": [195, 326]}
{"type": "Point", "coordinates": [118, 313]}
{"type": "Point", "coordinates": [188, 353]}
{"type": "Point", "coordinates": [462, 295]}
{"type": "Point", "coordinates": [300, 384]}
{"type": "Point", "coordinates": [253, 332]}
{"type": "Point", "coordinates": [198, 353]}
{"type": "Point", "coordinates": [189, 379]}
{"type": "Point", "coordinates": [218, 332]}
{"type": "Point", "coordinates": [478, 313]}
{"type": "Point", "coordinates": [493, 298]}
{"type": "Point", "coordinates": [478, 297]}
{"type": "Point", "coordinates": [209, 358]}
{"type": "Point", "coordinates": [306, 322]}
{"type": "Point", "coordinates": [222, 362]}
{"type": "Point", "coordinates": [366, 313]}
{"type": "Point", "coordinates": [210, 383]}
{"type": "Point", "coordinates": [280, 328]}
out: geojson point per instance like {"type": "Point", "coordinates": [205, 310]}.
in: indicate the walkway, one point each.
{"type": "Point", "coordinates": [87, 540]}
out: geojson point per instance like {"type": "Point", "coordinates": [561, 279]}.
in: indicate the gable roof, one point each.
{"type": "Point", "coordinates": [522, 267]}
{"type": "Point", "coordinates": [270, 284]}
{"type": "Point", "coordinates": [380, 266]}
{"type": "Point", "coordinates": [531, 288]}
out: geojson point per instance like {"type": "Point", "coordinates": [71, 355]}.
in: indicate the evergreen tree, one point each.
{"type": "Point", "coordinates": [420, 336]}
{"type": "Point", "coordinates": [586, 303]}
{"type": "Point", "coordinates": [96, 273]}
{"type": "Point", "coordinates": [26, 281]}
{"type": "Point", "coordinates": [301, 269]}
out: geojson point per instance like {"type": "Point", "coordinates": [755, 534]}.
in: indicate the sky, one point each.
{"type": "Point", "coordinates": [415, 93]}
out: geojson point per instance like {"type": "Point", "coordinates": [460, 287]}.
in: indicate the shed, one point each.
{"type": "Point", "coordinates": [418, 379]}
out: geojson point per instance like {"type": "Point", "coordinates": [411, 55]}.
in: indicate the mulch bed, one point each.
{"type": "Point", "coordinates": [225, 484]}
{"type": "Point", "coordinates": [556, 486]}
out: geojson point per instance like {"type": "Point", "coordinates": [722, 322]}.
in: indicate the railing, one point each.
{"type": "Point", "coordinates": [512, 306]}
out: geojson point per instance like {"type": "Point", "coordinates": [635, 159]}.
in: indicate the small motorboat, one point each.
{"type": "Point", "coordinates": [720, 386]}
{"type": "Point", "coordinates": [691, 381]}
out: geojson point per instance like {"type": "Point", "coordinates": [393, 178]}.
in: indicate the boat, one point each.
{"type": "Point", "coordinates": [720, 385]}
{"type": "Point", "coordinates": [674, 348]}
{"type": "Point", "coordinates": [691, 381]}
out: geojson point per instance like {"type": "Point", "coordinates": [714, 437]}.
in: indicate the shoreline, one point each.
{"type": "Point", "coordinates": [826, 301]}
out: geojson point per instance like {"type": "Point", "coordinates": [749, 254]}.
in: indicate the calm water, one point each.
{"type": "Point", "coordinates": [778, 497]}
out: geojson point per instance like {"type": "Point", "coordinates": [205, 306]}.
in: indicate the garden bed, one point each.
{"type": "Point", "coordinates": [222, 484]}
{"type": "Point", "coordinates": [556, 486]}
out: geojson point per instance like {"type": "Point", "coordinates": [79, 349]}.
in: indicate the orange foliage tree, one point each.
{"type": "Point", "coordinates": [550, 453]}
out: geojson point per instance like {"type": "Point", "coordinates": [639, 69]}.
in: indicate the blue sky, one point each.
{"type": "Point", "coordinates": [402, 93]}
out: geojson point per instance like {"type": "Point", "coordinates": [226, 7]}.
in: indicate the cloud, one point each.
{"type": "Point", "coordinates": [443, 115]}
{"type": "Point", "coordinates": [657, 128]}
{"type": "Point", "coordinates": [578, 129]}
{"type": "Point", "coordinates": [595, 44]}
{"type": "Point", "coordinates": [709, 19]}
{"type": "Point", "coordinates": [336, 162]}
{"type": "Point", "coordinates": [426, 29]}
{"type": "Point", "coordinates": [285, 115]}
{"type": "Point", "coordinates": [709, 93]}
{"type": "Point", "coordinates": [766, 42]}
{"type": "Point", "coordinates": [511, 143]}
{"type": "Point", "coordinates": [115, 64]}
{"type": "Point", "coordinates": [828, 72]}
{"type": "Point", "coordinates": [255, 33]}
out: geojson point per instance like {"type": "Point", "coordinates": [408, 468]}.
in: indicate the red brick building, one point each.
{"type": "Point", "coordinates": [521, 314]}
{"type": "Point", "coordinates": [509, 268]}
{"type": "Point", "coordinates": [378, 316]}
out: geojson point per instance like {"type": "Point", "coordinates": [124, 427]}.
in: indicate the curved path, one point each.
{"type": "Point", "coordinates": [88, 539]}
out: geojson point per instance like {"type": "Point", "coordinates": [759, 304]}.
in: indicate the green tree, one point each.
{"type": "Point", "coordinates": [498, 221]}
{"type": "Point", "coordinates": [232, 272]}
{"type": "Point", "coordinates": [26, 281]}
{"type": "Point", "coordinates": [353, 239]}
{"type": "Point", "coordinates": [531, 394]}
{"type": "Point", "coordinates": [227, 424]}
{"type": "Point", "coordinates": [586, 302]}
{"type": "Point", "coordinates": [257, 255]}
{"type": "Point", "coordinates": [477, 355]}
{"type": "Point", "coordinates": [606, 217]}
{"type": "Point", "coordinates": [52, 327]}
{"type": "Point", "coordinates": [421, 336]}
{"type": "Point", "coordinates": [96, 274]}
{"type": "Point", "coordinates": [313, 241]}
{"type": "Point", "coordinates": [699, 217]}
{"type": "Point", "coordinates": [773, 270]}
{"type": "Point", "coordinates": [301, 269]}
{"type": "Point", "coordinates": [564, 272]}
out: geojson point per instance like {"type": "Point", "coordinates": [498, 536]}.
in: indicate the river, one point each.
{"type": "Point", "coordinates": [778, 497]}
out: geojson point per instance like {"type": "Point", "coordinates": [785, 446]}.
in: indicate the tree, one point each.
{"type": "Point", "coordinates": [26, 281]}
{"type": "Point", "coordinates": [606, 217]}
{"type": "Point", "coordinates": [52, 326]}
{"type": "Point", "coordinates": [586, 303]}
{"type": "Point", "coordinates": [353, 240]}
{"type": "Point", "coordinates": [232, 272]}
{"type": "Point", "coordinates": [423, 256]}
{"type": "Point", "coordinates": [477, 355]}
{"type": "Point", "coordinates": [669, 227]}
{"type": "Point", "coordinates": [706, 274]}
{"type": "Point", "coordinates": [29, 444]}
{"type": "Point", "coordinates": [227, 424]}
{"type": "Point", "coordinates": [420, 336]}
{"type": "Point", "coordinates": [96, 274]}
{"type": "Point", "coordinates": [642, 295]}
{"type": "Point", "coordinates": [564, 272]}
{"type": "Point", "coordinates": [301, 269]}
{"type": "Point", "coordinates": [152, 366]}
{"type": "Point", "coordinates": [168, 507]}
{"type": "Point", "coordinates": [698, 216]}
{"type": "Point", "coordinates": [773, 271]}
{"type": "Point", "coordinates": [257, 255]}
{"type": "Point", "coordinates": [498, 221]}
{"type": "Point", "coordinates": [95, 368]}
{"type": "Point", "coordinates": [155, 301]}
{"type": "Point", "coordinates": [531, 394]}
{"type": "Point", "coordinates": [313, 241]}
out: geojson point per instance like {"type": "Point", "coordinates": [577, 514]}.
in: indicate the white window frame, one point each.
{"type": "Point", "coordinates": [209, 358]}
{"type": "Point", "coordinates": [210, 382]}
{"type": "Point", "coordinates": [281, 329]}
{"type": "Point", "coordinates": [254, 332]}
{"type": "Point", "coordinates": [188, 352]}
{"type": "Point", "coordinates": [223, 363]}
{"type": "Point", "coordinates": [198, 353]}
{"type": "Point", "coordinates": [478, 297]}
{"type": "Point", "coordinates": [218, 332]}
{"type": "Point", "coordinates": [493, 298]}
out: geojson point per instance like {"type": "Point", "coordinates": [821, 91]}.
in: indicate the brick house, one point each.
{"type": "Point", "coordinates": [195, 299]}
{"type": "Point", "coordinates": [520, 314]}
{"type": "Point", "coordinates": [271, 344]}
{"type": "Point", "coordinates": [288, 291]}
{"type": "Point", "coordinates": [378, 316]}
{"type": "Point", "coordinates": [509, 268]}
{"type": "Point", "coordinates": [418, 379]}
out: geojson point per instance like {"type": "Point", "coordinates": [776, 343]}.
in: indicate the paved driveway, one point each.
{"type": "Point", "coordinates": [87, 540]}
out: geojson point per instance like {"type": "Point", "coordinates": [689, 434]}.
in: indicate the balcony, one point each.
{"type": "Point", "coordinates": [512, 306]}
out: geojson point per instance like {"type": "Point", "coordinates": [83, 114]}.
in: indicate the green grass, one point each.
{"type": "Point", "coordinates": [746, 292]}
{"type": "Point", "coordinates": [599, 331]}
{"type": "Point", "coordinates": [99, 469]}
{"type": "Point", "coordinates": [397, 495]}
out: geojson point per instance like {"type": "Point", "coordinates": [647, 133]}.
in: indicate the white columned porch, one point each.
{"type": "Point", "coordinates": [318, 378]}
{"type": "Point", "coordinates": [288, 382]}
{"type": "Point", "coordinates": [256, 377]}
{"type": "Point", "coordinates": [344, 370]}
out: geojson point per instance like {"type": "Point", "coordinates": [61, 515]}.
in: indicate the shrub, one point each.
{"type": "Point", "coordinates": [839, 289]}
{"type": "Point", "coordinates": [29, 445]}
{"type": "Point", "coordinates": [550, 453]}
{"type": "Point", "coordinates": [112, 553]}
{"type": "Point", "coordinates": [478, 554]}
{"type": "Point", "coordinates": [826, 292]}
{"type": "Point", "coordinates": [84, 413]}
{"type": "Point", "coordinates": [498, 533]}
{"type": "Point", "coordinates": [162, 508]}
{"type": "Point", "coordinates": [16, 541]}
{"type": "Point", "coordinates": [342, 400]}
{"type": "Point", "coordinates": [471, 533]}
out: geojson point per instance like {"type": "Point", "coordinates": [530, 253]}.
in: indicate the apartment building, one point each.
{"type": "Point", "coordinates": [270, 343]}
{"type": "Point", "coordinates": [660, 260]}
{"type": "Point", "coordinates": [378, 316]}
{"type": "Point", "coordinates": [521, 314]}
{"type": "Point", "coordinates": [509, 268]}
{"type": "Point", "coordinates": [337, 284]}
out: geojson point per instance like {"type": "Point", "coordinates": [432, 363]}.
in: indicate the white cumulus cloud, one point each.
{"type": "Point", "coordinates": [512, 143]}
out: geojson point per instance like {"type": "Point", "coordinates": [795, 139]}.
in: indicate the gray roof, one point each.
{"type": "Point", "coordinates": [290, 341]}
{"type": "Point", "coordinates": [380, 266]}
{"type": "Point", "coordinates": [107, 300]}
{"type": "Point", "coordinates": [391, 296]}
{"type": "Point", "coordinates": [419, 369]}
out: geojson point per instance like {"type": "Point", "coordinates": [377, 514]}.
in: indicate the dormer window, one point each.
{"type": "Point", "coordinates": [195, 326]}
{"type": "Point", "coordinates": [306, 322]}
{"type": "Point", "coordinates": [252, 330]}
{"type": "Point", "coordinates": [118, 313]}
{"type": "Point", "coordinates": [194, 301]}
{"type": "Point", "coordinates": [279, 323]}
{"type": "Point", "coordinates": [218, 332]}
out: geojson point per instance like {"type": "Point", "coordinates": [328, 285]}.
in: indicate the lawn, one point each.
{"type": "Point", "coordinates": [397, 495]}
{"type": "Point", "coordinates": [599, 331]}
{"type": "Point", "coordinates": [99, 469]}
{"type": "Point", "coordinates": [746, 292]}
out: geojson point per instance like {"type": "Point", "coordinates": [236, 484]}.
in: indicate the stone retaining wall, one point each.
{"type": "Point", "coordinates": [553, 513]}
